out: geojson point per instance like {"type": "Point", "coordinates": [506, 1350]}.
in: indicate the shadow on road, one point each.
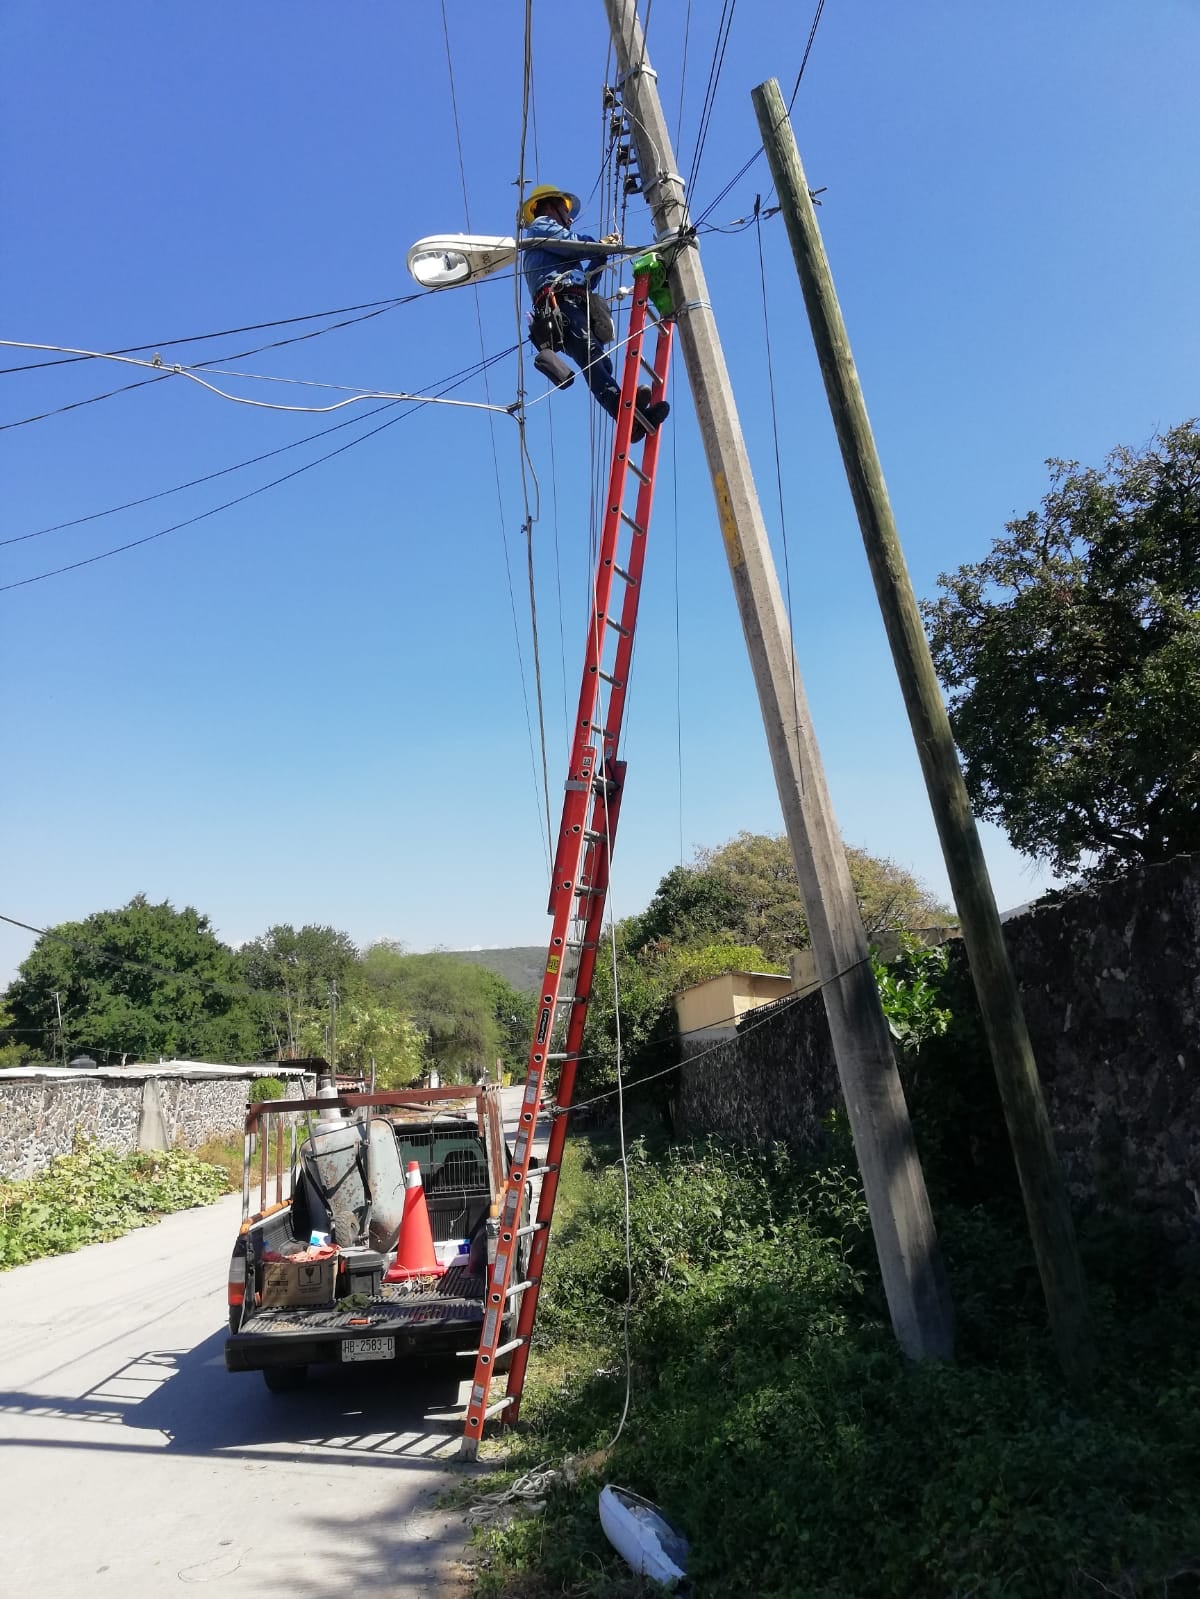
{"type": "Point", "coordinates": [391, 1415]}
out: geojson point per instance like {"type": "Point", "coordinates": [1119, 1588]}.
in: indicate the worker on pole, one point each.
{"type": "Point", "coordinates": [567, 315]}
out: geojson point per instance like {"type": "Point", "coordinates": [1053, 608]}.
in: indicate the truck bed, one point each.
{"type": "Point", "coordinates": [432, 1317]}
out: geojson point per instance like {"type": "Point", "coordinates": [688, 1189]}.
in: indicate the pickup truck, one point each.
{"type": "Point", "coordinates": [338, 1174]}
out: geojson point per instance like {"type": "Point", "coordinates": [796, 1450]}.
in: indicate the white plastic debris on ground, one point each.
{"type": "Point", "coordinates": [642, 1536]}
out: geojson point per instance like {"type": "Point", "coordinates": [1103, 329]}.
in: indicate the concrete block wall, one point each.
{"type": "Point", "coordinates": [41, 1118]}
{"type": "Point", "coordinates": [1110, 977]}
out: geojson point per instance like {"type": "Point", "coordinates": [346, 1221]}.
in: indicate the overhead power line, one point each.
{"type": "Point", "coordinates": [512, 602]}
{"type": "Point", "coordinates": [239, 355]}
{"type": "Point", "coordinates": [202, 516]}
{"type": "Point", "coordinates": [724, 25]}
{"type": "Point", "coordinates": [192, 483]}
{"type": "Point", "coordinates": [746, 165]}
{"type": "Point", "coordinates": [225, 333]}
{"type": "Point", "coordinates": [353, 394]}
{"type": "Point", "coordinates": [115, 959]}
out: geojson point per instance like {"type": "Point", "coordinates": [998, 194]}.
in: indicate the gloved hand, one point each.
{"type": "Point", "coordinates": [611, 238]}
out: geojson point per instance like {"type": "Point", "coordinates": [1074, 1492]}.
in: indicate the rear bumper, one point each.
{"type": "Point", "coordinates": [254, 1351]}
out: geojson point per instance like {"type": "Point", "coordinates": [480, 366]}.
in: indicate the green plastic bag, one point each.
{"type": "Point", "coordinates": [660, 293]}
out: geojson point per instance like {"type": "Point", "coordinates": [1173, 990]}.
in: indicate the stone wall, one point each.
{"type": "Point", "coordinates": [1110, 978]}
{"type": "Point", "coordinates": [42, 1117]}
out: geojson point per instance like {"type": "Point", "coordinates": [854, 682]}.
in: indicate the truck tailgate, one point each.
{"type": "Point", "coordinates": [443, 1315]}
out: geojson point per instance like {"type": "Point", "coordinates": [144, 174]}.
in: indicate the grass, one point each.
{"type": "Point", "coordinates": [777, 1426]}
{"type": "Point", "coordinates": [227, 1153]}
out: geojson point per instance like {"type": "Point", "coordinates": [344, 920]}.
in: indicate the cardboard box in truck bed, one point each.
{"type": "Point", "coordinates": [304, 1282]}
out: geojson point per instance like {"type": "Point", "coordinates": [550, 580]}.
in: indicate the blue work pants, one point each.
{"type": "Point", "coordinates": [581, 344]}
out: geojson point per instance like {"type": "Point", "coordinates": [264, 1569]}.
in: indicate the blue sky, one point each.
{"type": "Point", "coordinates": [309, 707]}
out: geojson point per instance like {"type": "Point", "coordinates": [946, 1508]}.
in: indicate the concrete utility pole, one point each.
{"type": "Point", "coordinates": [999, 1000]}
{"type": "Point", "coordinates": [333, 1005]}
{"type": "Point", "coordinates": [62, 1041]}
{"type": "Point", "coordinates": [901, 1220]}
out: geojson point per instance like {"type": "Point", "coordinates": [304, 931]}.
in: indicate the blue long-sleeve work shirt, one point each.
{"type": "Point", "coordinates": [544, 263]}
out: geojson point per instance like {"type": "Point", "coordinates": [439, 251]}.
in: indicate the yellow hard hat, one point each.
{"type": "Point", "coordinates": [549, 191]}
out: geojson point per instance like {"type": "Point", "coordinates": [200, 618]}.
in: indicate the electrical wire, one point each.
{"type": "Point", "coordinates": [240, 355]}
{"type": "Point", "coordinates": [207, 477]}
{"type": "Point", "coordinates": [240, 399]}
{"type": "Point", "coordinates": [746, 165]}
{"type": "Point", "coordinates": [724, 25]}
{"type": "Point", "coordinates": [229, 333]}
{"type": "Point", "coordinates": [525, 461]}
{"type": "Point", "coordinates": [812, 34]}
{"type": "Point", "coordinates": [241, 990]}
{"type": "Point", "coordinates": [776, 1011]}
{"type": "Point", "coordinates": [678, 630]}
{"type": "Point", "coordinates": [787, 567]}
{"type": "Point", "coordinates": [261, 489]}
{"type": "Point", "coordinates": [512, 601]}
{"type": "Point", "coordinates": [687, 33]}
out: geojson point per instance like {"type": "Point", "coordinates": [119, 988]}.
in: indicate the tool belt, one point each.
{"type": "Point", "coordinates": [547, 325]}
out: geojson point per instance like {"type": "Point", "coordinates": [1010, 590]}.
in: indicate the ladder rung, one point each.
{"type": "Point", "coordinates": [529, 1230]}
{"type": "Point", "coordinates": [616, 627]}
{"type": "Point", "coordinates": [505, 1349]}
{"type": "Point", "coordinates": [647, 366]}
{"type": "Point", "coordinates": [515, 1343]}
{"type": "Point", "coordinates": [566, 1054]}
{"type": "Point", "coordinates": [592, 835]}
{"type": "Point", "coordinates": [609, 678]}
{"type": "Point", "coordinates": [630, 522]}
{"type": "Point", "coordinates": [497, 1405]}
{"type": "Point", "coordinates": [519, 1288]}
{"type": "Point", "coordinates": [621, 572]}
{"type": "Point", "coordinates": [642, 477]}
{"type": "Point", "coordinates": [581, 943]}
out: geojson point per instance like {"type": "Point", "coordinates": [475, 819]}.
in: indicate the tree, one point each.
{"type": "Point", "coordinates": [294, 972]}
{"type": "Point", "coordinates": [746, 893]}
{"type": "Point", "coordinates": [141, 981]}
{"type": "Point", "coordinates": [467, 1015]}
{"type": "Point", "coordinates": [1071, 659]}
{"type": "Point", "coordinates": [735, 908]}
{"type": "Point", "coordinates": [368, 1030]}
{"type": "Point", "coordinates": [17, 1048]}
{"type": "Point", "coordinates": [647, 979]}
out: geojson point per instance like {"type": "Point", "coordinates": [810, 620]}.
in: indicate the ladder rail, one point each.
{"type": "Point", "coordinates": [579, 884]}
{"type": "Point", "coordinates": [610, 806]}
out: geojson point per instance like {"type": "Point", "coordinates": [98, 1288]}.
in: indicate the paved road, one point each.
{"type": "Point", "coordinates": [133, 1465]}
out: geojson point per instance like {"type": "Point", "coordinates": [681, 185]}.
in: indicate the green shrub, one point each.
{"type": "Point", "coordinates": [910, 990]}
{"type": "Point", "coordinates": [96, 1194]}
{"type": "Point", "coordinates": [267, 1088]}
{"type": "Point", "coordinates": [776, 1423]}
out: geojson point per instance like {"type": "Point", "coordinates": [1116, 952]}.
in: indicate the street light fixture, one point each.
{"type": "Point", "coordinates": [447, 260]}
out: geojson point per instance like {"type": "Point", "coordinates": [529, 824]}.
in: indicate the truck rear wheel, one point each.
{"type": "Point", "coordinates": [285, 1379]}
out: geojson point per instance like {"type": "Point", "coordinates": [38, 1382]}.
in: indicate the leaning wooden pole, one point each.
{"type": "Point", "coordinates": [1042, 1185]}
{"type": "Point", "coordinates": [910, 1260]}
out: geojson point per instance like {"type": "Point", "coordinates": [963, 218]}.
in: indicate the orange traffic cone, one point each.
{"type": "Point", "coordinates": [415, 1255]}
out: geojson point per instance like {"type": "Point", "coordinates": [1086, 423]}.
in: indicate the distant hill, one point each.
{"type": "Point", "coordinates": [522, 966]}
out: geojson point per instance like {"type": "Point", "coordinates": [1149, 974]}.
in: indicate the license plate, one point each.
{"type": "Point", "coordinates": [369, 1349]}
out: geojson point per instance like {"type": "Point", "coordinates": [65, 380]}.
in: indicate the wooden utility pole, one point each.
{"type": "Point", "coordinates": [901, 1220]}
{"type": "Point", "coordinates": [999, 1000]}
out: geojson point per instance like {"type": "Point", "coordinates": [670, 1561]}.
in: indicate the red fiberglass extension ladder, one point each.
{"type": "Point", "coordinates": [579, 885]}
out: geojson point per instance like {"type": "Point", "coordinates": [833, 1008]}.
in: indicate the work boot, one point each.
{"type": "Point", "coordinates": [551, 365]}
{"type": "Point", "coordinates": [648, 416]}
